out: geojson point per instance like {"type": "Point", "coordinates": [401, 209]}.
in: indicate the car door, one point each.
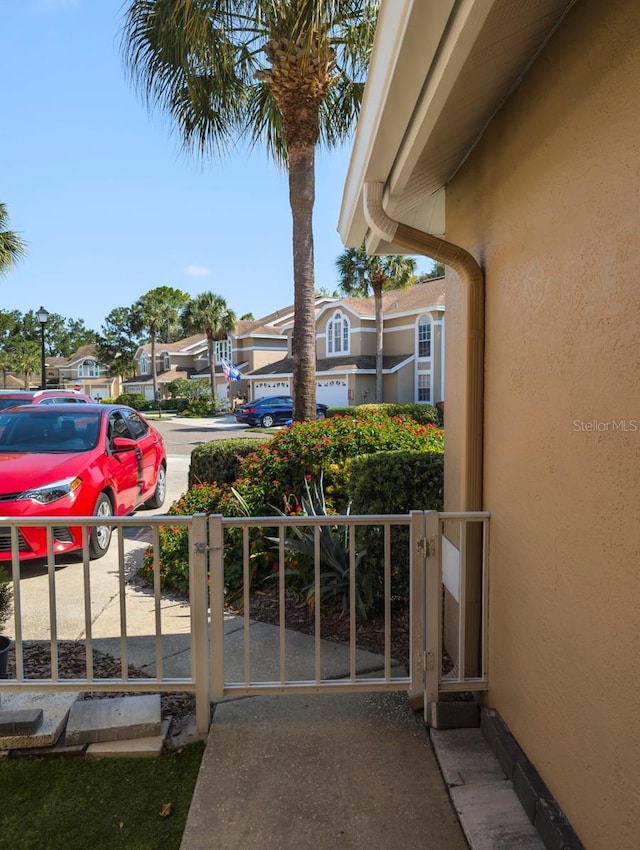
{"type": "Point", "coordinates": [148, 449]}
{"type": "Point", "coordinates": [124, 467]}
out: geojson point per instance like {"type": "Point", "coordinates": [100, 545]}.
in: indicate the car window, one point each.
{"type": "Point", "coordinates": [137, 425]}
{"type": "Point", "coordinates": [117, 427]}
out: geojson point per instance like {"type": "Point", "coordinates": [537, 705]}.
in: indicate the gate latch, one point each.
{"type": "Point", "coordinates": [426, 546]}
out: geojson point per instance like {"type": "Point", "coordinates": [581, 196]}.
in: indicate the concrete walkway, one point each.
{"type": "Point", "coordinates": [316, 771]}
{"type": "Point", "coordinates": [352, 771]}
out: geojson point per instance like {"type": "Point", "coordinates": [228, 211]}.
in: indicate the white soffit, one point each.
{"type": "Point", "coordinates": [434, 83]}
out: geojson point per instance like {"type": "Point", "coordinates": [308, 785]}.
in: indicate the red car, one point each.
{"type": "Point", "coordinates": [76, 460]}
{"type": "Point", "coordinates": [15, 398]}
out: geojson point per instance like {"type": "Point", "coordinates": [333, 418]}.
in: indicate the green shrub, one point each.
{"type": "Point", "coordinates": [218, 460]}
{"type": "Point", "coordinates": [425, 414]}
{"type": "Point", "coordinates": [174, 543]}
{"type": "Point", "coordinates": [393, 483]}
{"type": "Point", "coordinates": [276, 469]}
{"type": "Point", "coordinates": [135, 400]}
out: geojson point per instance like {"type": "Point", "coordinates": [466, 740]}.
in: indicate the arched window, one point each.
{"type": "Point", "coordinates": [166, 361]}
{"type": "Point", "coordinates": [424, 337]}
{"type": "Point", "coordinates": [144, 363]}
{"type": "Point", "coordinates": [338, 334]}
{"type": "Point", "coordinates": [88, 369]}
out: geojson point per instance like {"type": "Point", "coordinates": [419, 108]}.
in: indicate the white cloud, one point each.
{"type": "Point", "coordinates": [196, 271]}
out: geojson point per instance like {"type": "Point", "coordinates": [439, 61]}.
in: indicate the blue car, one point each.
{"type": "Point", "coordinates": [272, 410]}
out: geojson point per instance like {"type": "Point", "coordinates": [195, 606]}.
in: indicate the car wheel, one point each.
{"type": "Point", "coordinates": [268, 421]}
{"type": "Point", "coordinates": [100, 536]}
{"type": "Point", "coordinates": [157, 500]}
{"type": "Point", "coordinates": [320, 414]}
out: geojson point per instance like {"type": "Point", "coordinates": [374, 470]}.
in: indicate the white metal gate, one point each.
{"type": "Point", "coordinates": [409, 545]}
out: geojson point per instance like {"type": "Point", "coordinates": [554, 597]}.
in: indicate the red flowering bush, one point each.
{"type": "Point", "coordinates": [271, 480]}
{"type": "Point", "coordinates": [275, 470]}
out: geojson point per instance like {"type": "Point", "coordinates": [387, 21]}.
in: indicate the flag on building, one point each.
{"type": "Point", "coordinates": [230, 372]}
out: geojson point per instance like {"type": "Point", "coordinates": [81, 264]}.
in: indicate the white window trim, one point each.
{"type": "Point", "coordinates": [345, 334]}
{"type": "Point", "coordinates": [424, 321]}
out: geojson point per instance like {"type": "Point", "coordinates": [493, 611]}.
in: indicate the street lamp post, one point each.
{"type": "Point", "coordinates": [42, 316]}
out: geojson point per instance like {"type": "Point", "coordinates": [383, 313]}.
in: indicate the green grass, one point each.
{"type": "Point", "coordinates": [80, 803]}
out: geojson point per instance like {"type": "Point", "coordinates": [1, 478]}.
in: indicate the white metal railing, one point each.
{"type": "Point", "coordinates": [196, 682]}
{"type": "Point", "coordinates": [252, 676]}
{"type": "Point", "coordinates": [217, 671]}
{"type": "Point", "coordinates": [467, 587]}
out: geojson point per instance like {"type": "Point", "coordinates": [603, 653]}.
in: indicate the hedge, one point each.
{"type": "Point", "coordinates": [218, 461]}
{"type": "Point", "coordinates": [424, 414]}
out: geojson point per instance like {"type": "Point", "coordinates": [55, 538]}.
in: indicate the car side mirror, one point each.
{"type": "Point", "coordinates": [123, 444]}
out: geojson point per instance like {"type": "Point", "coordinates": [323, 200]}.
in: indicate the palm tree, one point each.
{"type": "Point", "coordinates": [12, 248]}
{"type": "Point", "coordinates": [358, 273]}
{"type": "Point", "coordinates": [155, 313]}
{"type": "Point", "coordinates": [6, 365]}
{"type": "Point", "coordinates": [287, 73]}
{"type": "Point", "coordinates": [26, 359]}
{"type": "Point", "coordinates": [209, 313]}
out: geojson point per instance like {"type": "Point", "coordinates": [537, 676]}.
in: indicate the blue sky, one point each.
{"type": "Point", "coordinates": [109, 204]}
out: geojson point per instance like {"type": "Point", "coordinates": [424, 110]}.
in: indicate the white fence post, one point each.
{"type": "Point", "coordinates": [199, 626]}
{"type": "Point", "coordinates": [433, 630]}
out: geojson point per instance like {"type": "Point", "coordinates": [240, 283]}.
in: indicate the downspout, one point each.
{"type": "Point", "coordinates": [418, 242]}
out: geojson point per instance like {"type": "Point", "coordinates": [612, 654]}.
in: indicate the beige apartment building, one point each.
{"type": "Point", "coordinates": [413, 363]}
{"type": "Point", "coordinates": [502, 137]}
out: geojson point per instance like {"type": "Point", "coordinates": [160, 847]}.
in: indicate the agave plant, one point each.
{"type": "Point", "coordinates": [335, 578]}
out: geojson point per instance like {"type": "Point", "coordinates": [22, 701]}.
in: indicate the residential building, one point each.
{"type": "Point", "coordinates": [501, 138]}
{"type": "Point", "coordinates": [82, 371]}
{"type": "Point", "coordinates": [413, 368]}
{"type": "Point", "coordinates": [413, 363]}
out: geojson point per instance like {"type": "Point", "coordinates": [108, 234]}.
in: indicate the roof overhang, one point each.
{"type": "Point", "coordinates": [439, 71]}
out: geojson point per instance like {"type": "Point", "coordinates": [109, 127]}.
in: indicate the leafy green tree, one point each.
{"type": "Point", "coordinates": [62, 336]}
{"type": "Point", "coordinates": [156, 313]}
{"type": "Point", "coordinates": [12, 247]}
{"type": "Point", "coordinates": [193, 390]}
{"type": "Point", "coordinates": [360, 273]}
{"type": "Point", "coordinates": [118, 342]}
{"type": "Point", "coordinates": [208, 313]}
{"type": "Point", "coordinates": [287, 73]}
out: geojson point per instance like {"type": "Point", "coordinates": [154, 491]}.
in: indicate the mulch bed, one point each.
{"type": "Point", "coordinates": [180, 707]}
{"type": "Point", "coordinates": [72, 664]}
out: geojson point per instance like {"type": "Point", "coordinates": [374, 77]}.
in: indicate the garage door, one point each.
{"type": "Point", "coordinates": [332, 391]}
{"type": "Point", "coordinates": [267, 388]}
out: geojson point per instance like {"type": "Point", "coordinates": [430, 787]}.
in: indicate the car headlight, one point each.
{"type": "Point", "coordinates": [52, 492]}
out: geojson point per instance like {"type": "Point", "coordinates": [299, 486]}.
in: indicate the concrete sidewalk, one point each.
{"type": "Point", "coordinates": [317, 771]}
{"type": "Point", "coordinates": [323, 771]}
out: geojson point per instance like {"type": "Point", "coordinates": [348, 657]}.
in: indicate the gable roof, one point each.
{"type": "Point", "coordinates": [427, 294]}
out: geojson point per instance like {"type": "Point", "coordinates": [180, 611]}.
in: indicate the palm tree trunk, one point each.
{"type": "Point", "coordinates": [154, 375]}
{"type": "Point", "coordinates": [301, 198]}
{"type": "Point", "coordinates": [377, 297]}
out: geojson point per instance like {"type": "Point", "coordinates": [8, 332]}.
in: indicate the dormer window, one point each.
{"type": "Point", "coordinates": [424, 337]}
{"type": "Point", "coordinates": [88, 369]}
{"type": "Point", "coordinates": [223, 350]}
{"type": "Point", "coordinates": [338, 334]}
{"type": "Point", "coordinates": [144, 363]}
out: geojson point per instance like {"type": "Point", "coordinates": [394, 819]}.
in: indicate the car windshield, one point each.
{"type": "Point", "coordinates": [13, 402]}
{"type": "Point", "coordinates": [22, 432]}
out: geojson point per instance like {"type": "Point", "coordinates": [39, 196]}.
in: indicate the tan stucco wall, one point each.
{"type": "Point", "coordinates": [549, 202]}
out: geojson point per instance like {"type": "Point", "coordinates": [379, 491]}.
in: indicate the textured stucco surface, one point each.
{"type": "Point", "coordinates": [549, 202]}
